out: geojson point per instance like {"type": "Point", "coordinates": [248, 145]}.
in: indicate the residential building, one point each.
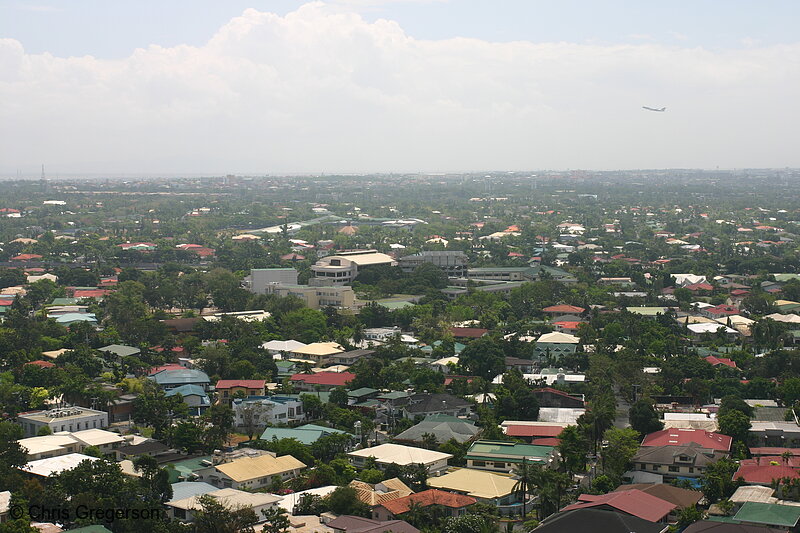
{"type": "Point", "coordinates": [451, 504]}
{"type": "Point", "coordinates": [318, 353]}
{"type": "Point", "coordinates": [308, 434]}
{"type": "Point", "coordinates": [499, 456]}
{"type": "Point", "coordinates": [386, 454]}
{"type": "Point", "coordinates": [386, 490]}
{"type": "Point", "coordinates": [486, 487]}
{"type": "Point", "coordinates": [44, 468]}
{"type": "Point", "coordinates": [259, 411]}
{"type": "Point", "coordinates": [350, 357]}
{"type": "Point", "coordinates": [63, 419]}
{"type": "Point", "coordinates": [424, 404]}
{"type": "Point", "coordinates": [555, 345]}
{"type": "Point", "coordinates": [251, 472]}
{"type": "Point", "coordinates": [227, 388]}
{"type": "Point", "coordinates": [194, 396]}
{"type": "Point", "coordinates": [785, 517]}
{"type": "Point", "coordinates": [358, 524]}
{"type": "Point", "coordinates": [453, 263]}
{"type": "Point", "coordinates": [186, 508]}
{"type": "Point", "coordinates": [774, 434]}
{"type": "Point", "coordinates": [549, 397]}
{"type": "Point", "coordinates": [684, 437]}
{"type": "Point", "coordinates": [599, 520]}
{"type": "Point", "coordinates": [342, 268]}
{"type": "Point", "coordinates": [119, 351]}
{"type": "Point", "coordinates": [442, 427]}
{"type": "Point", "coordinates": [321, 380]}
{"type": "Point", "coordinates": [63, 443]}
{"type": "Point", "coordinates": [675, 460]}
{"type": "Point", "coordinates": [175, 377]}
{"type": "Point", "coordinates": [632, 502]}
{"type": "Point", "coordinates": [282, 347]}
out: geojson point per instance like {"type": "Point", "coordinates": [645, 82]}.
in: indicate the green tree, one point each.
{"type": "Point", "coordinates": [277, 521]}
{"type": "Point", "coordinates": [214, 517]}
{"type": "Point", "coordinates": [573, 448]}
{"type": "Point", "coordinates": [735, 424]}
{"type": "Point", "coordinates": [343, 500]}
{"type": "Point", "coordinates": [339, 396]}
{"type": "Point", "coordinates": [644, 418]}
{"type": "Point", "coordinates": [484, 358]}
{"type": "Point", "coordinates": [623, 443]}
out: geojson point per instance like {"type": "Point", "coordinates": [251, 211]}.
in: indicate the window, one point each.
{"type": "Point", "coordinates": [179, 513]}
{"type": "Point", "coordinates": [499, 465]}
{"type": "Point", "coordinates": [478, 463]}
{"type": "Point", "coordinates": [674, 469]}
{"type": "Point", "coordinates": [654, 468]}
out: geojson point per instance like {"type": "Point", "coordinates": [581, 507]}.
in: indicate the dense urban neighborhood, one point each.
{"type": "Point", "coordinates": [607, 352]}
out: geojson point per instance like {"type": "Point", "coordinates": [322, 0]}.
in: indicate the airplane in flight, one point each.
{"type": "Point", "coordinates": [654, 109]}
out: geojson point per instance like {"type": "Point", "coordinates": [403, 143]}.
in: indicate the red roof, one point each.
{"type": "Point", "coordinates": [699, 287]}
{"type": "Point", "coordinates": [770, 450]}
{"type": "Point", "coordinates": [568, 324]}
{"type": "Point", "coordinates": [720, 361]}
{"type": "Point", "coordinates": [25, 257]}
{"type": "Point", "coordinates": [524, 430]}
{"type": "Point", "coordinates": [633, 502]}
{"type": "Point", "coordinates": [764, 473]}
{"type": "Point", "coordinates": [682, 437]}
{"type": "Point", "coordinates": [90, 293]}
{"type": "Point", "coordinates": [546, 441]}
{"type": "Point", "coordinates": [469, 332]}
{"type": "Point", "coordinates": [41, 364]}
{"type": "Point", "coordinates": [449, 379]}
{"type": "Point", "coordinates": [6, 302]}
{"type": "Point", "coordinates": [336, 379]}
{"type": "Point", "coordinates": [564, 309]}
{"type": "Point", "coordinates": [169, 366]}
{"type": "Point", "coordinates": [244, 383]}
{"type": "Point", "coordinates": [429, 497]}
{"type": "Point", "coordinates": [765, 460]}
{"type": "Point", "coordinates": [722, 310]}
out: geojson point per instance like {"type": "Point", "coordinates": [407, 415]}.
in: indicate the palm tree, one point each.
{"type": "Point", "coordinates": [525, 475]}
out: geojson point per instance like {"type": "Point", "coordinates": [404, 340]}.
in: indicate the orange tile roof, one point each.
{"type": "Point", "coordinates": [427, 498]}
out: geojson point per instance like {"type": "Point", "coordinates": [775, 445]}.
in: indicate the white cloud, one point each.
{"type": "Point", "coordinates": [321, 89]}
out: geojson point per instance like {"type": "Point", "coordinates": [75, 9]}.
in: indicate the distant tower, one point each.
{"type": "Point", "coordinates": [43, 181]}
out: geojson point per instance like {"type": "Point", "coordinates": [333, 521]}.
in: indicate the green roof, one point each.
{"type": "Point", "coordinates": [512, 452]}
{"type": "Point", "coordinates": [394, 395]}
{"type": "Point", "coordinates": [186, 467]}
{"type": "Point", "coordinates": [771, 514]}
{"type": "Point", "coordinates": [785, 277]}
{"type": "Point", "coordinates": [91, 529]}
{"type": "Point", "coordinates": [394, 304]}
{"type": "Point", "coordinates": [502, 269]}
{"type": "Point", "coordinates": [64, 301]}
{"type": "Point", "coordinates": [363, 391]}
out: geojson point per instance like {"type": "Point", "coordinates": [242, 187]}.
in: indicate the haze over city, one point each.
{"type": "Point", "coordinates": [384, 86]}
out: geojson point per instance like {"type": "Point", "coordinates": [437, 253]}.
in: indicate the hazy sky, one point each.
{"type": "Point", "coordinates": [211, 86]}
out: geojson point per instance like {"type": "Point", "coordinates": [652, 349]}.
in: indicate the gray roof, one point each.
{"type": "Point", "coordinates": [187, 489]}
{"type": "Point", "coordinates": [433, 403]}
{"type": "Point", "coordinates": [443, 427]}
{"type": "Point", "coordinates": [182, 376]}
{"type": "Point", "coordinates": [120, 350]}
{"type": "Point", "coordinates": [668, 455]}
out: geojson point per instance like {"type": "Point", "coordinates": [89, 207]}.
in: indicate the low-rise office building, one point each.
{"type": "Point", "coordinates": [62, 419]}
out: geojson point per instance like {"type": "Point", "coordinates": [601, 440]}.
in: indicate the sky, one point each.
{"type": "Point", "coordinates": [212, 87]}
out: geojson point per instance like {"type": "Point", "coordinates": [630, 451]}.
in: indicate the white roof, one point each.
{"type": "Point", "coordinates": [46, 443]}
{"type": "Point", "coordinates": [231, 498]}
{"type": "Point", "coordinates": [290, 500]}
{"type": "Point", "coordinates": [736, 320]}
{"type": "Point", "coordinates": [754, 493]}
{"type": "Point", "coordinates": [690, 416]}
{"type": "Point", "coordinates": [283, 346]}
{"type": "Point", "coordinates": [319, 348]}
{"type": "Point", "coordinates": [401, 455]}
{"type": "Point", "coordinates": [56, 465]}
{"type": "Point", "coordinates": [557, 337]}
{"type": "Point", "coordinates": [790, 318]}
{"type": "Point", "coordinates": [561, 415]}
{"type": "Point", "coordinates": [5, 500]}
{"type": "Point", "coordinates": [505, 423]}
{"type": "Point", "coordinates": [549, 379]}
{"type": "Point", "coordinates": [709, 328]}
{"type": "Point", "coordinates": [687, 279]}
{"type": "Point", "coordinates": [97, 437]}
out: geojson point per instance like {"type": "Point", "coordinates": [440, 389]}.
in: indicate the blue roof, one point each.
{"type": "Point", "coordinates": [307, 434]}
{"type": "Point", "coordinates": [184, 375]}
{"type": "Point", "coordinates": [68, 318]}
{"type": "Point", "coordinates": [190, 390]}
{"type": "Point", "coordinates": [187, 489]}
